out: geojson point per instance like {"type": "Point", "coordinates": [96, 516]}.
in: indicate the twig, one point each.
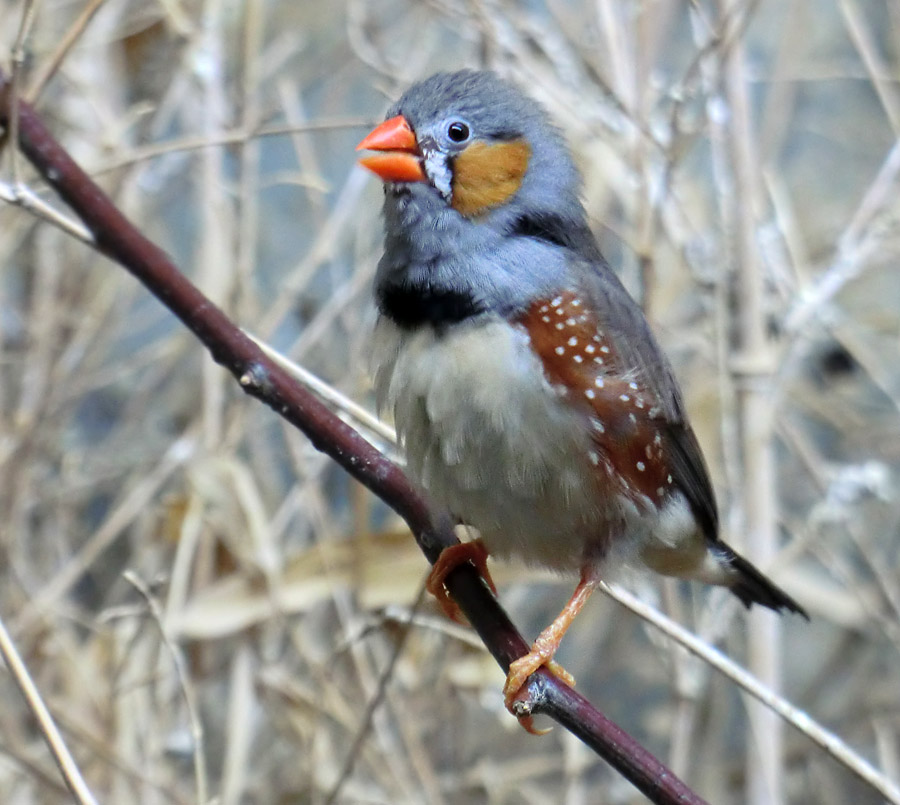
{"type": "Point", "coordinates": [865, 42]}
{"type": "Point", "coordinates": [752, 367]}
{"type": "Point", "coordinates": [855, 245]}
{"type": "Point", "coordinates": [184, 682]}
{"type": "Point", "coordinates": [139, 494]}
{"type": "Point", "coordinates": [22, 196]}
{"type": "Point", "coordinates": [330, 394]}
{"type": "Point", "coordinates": [17, 192]}
{"type": "Point", "coordinates": [225, 137]}
{"type": "Point", "coordinates": [62, 50]}
{"type": "Point", "coordinates": [794, 716]}
{"type": "Point", "coordinates": [376, 700]}
{"type": "Point", "coordinates": [32, 696]}
{"type": "Point", "coordinates": [18, 62]}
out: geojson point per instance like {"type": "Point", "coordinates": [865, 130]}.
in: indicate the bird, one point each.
{"type": "Point", "coordinates": [529, 394]}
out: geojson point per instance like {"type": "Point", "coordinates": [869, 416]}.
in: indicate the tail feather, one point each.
{"type": "Point", "coordinates": [752, 587]}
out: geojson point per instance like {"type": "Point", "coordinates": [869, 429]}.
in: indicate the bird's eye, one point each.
{"type": "Point", "coordinates": [458, 131]}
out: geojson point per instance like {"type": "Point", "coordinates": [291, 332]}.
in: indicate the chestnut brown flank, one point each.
{"type": "Point", "coordinates": [581, 363]}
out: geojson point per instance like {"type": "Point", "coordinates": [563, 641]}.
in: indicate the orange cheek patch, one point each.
{"type": "Point", "coordinates": [487, 175]}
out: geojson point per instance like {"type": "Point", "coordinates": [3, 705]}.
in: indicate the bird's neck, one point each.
{"type": "Point", "coordinates": [422, 279]}
{"type": "Point", "coordinates": [440, 268]}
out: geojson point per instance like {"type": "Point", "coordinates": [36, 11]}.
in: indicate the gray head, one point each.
{"type": "Point", "coordinates": [452, 112]}
{"type": "Point", "coordinates": [481, 193]}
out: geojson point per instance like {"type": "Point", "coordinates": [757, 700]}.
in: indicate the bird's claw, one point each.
{"type": "Point", "coordinates": [515, 689]}
{"type": "Point", "coordinates": [447, 562]}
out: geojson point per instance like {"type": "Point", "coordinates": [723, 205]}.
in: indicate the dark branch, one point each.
{"type": "Point", "coordinates": [119, 240]}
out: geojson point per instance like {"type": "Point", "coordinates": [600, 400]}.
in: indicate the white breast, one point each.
{"type": "Point", "coordinates": [490, 439]}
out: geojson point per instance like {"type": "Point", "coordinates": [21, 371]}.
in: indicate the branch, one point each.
{"type": "Point", "coordinates": [118, 239]}
{"type": "Point", "coordinates": [47, 726]}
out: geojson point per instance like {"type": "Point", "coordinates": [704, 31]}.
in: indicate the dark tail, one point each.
{"type": "Point", "coordinates": [752, 587]}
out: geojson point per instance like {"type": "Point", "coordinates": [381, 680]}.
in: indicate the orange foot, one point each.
{"type": "Point", "coordinates": [522, 668]}
{"type": "Point", "coordinates": [543, 650]}
{"type": "Point", "coordinates": [449, 560]}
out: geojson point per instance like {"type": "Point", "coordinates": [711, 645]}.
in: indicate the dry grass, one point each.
{"type": "Point", "coordinates": [208, 606]}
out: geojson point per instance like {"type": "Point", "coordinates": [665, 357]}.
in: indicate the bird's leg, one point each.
{"type": "Point", "coordinates": [545, 646]}
{"type": "Point", "coordinates": [449, 560]}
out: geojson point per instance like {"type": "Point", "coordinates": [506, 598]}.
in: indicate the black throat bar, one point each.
{"type": "Point", "coordinates": [410, 306]}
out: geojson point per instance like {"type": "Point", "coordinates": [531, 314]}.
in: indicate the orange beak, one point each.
{"type": "Point", "coordinates": [400, 161]}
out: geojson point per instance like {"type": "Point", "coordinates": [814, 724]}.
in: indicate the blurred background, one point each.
{"type": "Point", "coordinates": [741, 173]}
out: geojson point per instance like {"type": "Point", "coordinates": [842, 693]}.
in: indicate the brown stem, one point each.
{"type": "Point", "coordinates": [118, 239]}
